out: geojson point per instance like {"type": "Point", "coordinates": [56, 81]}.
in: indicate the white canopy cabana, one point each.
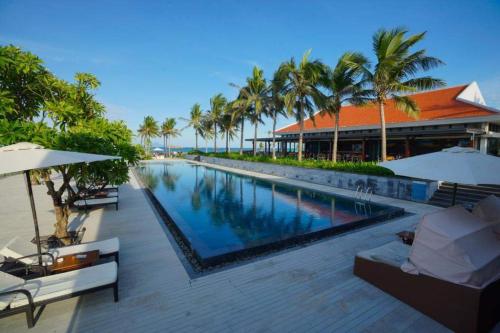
{"type": "Point", "coordinates": [25, 156]}
{"type": "Point", "coordinates": [456, 165]}
{"type": "Point", "coordinates": [457, 246]}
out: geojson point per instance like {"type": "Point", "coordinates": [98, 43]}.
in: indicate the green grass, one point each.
{"type": "Point", "coordinates": [367, 168]}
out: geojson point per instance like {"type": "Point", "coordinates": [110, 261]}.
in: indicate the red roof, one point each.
{"type": "Point", "coordinates": [434, 105]}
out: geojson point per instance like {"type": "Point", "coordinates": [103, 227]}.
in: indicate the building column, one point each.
{"type": "Point", "coordinates": [407, 147]}
{"type": "Point", "coordinates": [483, 142]}
{"type": "Point", "coordinates": [363, 149]}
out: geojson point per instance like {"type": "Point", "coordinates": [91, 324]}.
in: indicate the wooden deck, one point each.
{"type": "Point", "coordinates": [307, 289]}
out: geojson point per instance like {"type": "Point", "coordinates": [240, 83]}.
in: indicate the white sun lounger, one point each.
{"type": "Point", "coordinates": [25, 251]}
{"type": "Point", "coordinates": [23, 296]}
{"type": "Point", "coordinates": [87, 203]}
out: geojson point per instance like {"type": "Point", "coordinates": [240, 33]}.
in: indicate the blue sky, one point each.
{"type": "Point", "coordinates": [160, 57]}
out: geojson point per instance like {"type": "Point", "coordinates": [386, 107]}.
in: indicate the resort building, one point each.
{"type": "Point", "coordinates": [454, 116]}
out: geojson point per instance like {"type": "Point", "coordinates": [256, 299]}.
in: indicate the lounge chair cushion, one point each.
{"type": "Point", "coordinates": [57, 285]}
{"type": "Point", "coordinates": [8, 282]}
{"type": "Point", "coordinates": [96, 202]}
{"type": "Point", "coordinates": [394, 253]}
{"type": "Point", "coordinates": [488, 209]}
{"type": "Point", "coordinates": [107, 246]}
{"type": "Point", "coordinates": [18, 247]}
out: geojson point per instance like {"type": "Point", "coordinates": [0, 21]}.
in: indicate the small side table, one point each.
{"type": "Point", "coordinates": [74, 261]}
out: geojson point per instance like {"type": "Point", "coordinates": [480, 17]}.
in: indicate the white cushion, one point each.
{"type": "Point", "coordinates": [488, 209]}
{"type": "Point", "coordinates": [17, 248]}
{"type": "Point", "coordinates": [93, 202]}
{"type": "Point", "coordinates": [105, 247]}
{"type": "Point", "coordinates": [57, 285]}
{"type": "Point", "coordinates": [393, 253]}
{"type": "Point", "coordinates": [8, 282]}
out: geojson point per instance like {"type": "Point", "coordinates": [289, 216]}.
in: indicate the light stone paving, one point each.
{"type": "Point", "coordinates": [307, 289]}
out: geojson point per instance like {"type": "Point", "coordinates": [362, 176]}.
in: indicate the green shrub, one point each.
{"type": "Point", "coordinates": [367, 168]}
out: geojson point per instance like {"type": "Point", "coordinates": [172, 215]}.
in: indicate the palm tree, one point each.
{"type": "Point", "coordinates": [148, 130]}
{"type": "Point", "coordinates": [394, 73]}
{"type": "Point", "coordinates": [344, 85]}
{"type": "Point", "coordinates": [240, 113]}
{"type": "Point", "coordinates": [195, 121]}
{"type": "Point", "coordinates": [228, 124]}
{"type": "Point", "coordinates": [217, 104]}
{"type": "Point", "coordinates": [254, 97]}
{"type": "Point", "coordinates": [276, 106]}
{"type": "Point", "coordinates": [301, 93]}
{"type": "Point", "coordinates": [207, 130]}
{"type": "Point", "coordinates": [168, 131]}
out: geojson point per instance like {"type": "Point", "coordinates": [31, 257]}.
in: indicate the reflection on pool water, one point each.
{"type": "Point", "coordinates": [222, 215]}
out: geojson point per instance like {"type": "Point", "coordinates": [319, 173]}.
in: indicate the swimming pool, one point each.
{"type": "Point", "coordinates": [222, 216]}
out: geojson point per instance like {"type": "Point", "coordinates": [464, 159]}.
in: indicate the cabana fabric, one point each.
{"type": "Point", "coordinates": [488, 209]}
{"type": "Point", "coordinates": [456, 246]}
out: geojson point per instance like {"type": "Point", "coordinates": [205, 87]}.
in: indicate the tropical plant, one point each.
{"type": "Point", "coordinates": [394, 74]}
{"type": "Point", "coordinates": [276, 106]}
{"type": "Point", "coordinates": [344, 84]}
{"type": "Point", "coordinates": [207, 130]}
{"type": "Point", "coordinates": [217, 105]}
{"type": "Point", "coordinates": [228, 124]}
{"type": "Point", "coordinates": [240, 112]}
{"type": "Point", "coordinates": [169, 131]}
{"type": "Point", "coordinates": [147, 131]}
{"type": "Point", "coordinates": [254, 97]}
{"type": "Point", "coordinates": [196, 122]}
{"type": "Point", "coordinates": [301, 92]}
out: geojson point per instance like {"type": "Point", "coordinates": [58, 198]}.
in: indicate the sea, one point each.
{"type": "Point", "coordinates": [209, 149]}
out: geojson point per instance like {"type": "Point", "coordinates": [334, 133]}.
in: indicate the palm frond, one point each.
{"type": "Point", "coordinates": [407, 105]}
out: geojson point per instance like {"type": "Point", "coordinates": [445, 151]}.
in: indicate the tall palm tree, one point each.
{"type": "Point", "coordinates": [254, 97]}
{"type": "Point", "coordinates": [147, 131]}
{"type": "Point", "coordinates": [240, 113]}
{"type": "Point", "coordinates": [217, 105]}
{"type": "Point", "coordinates": [228, 124]}
{"type": "Point", "coordinates": [169, 131]}
{"type": "Point", "coordinates": [207, 130]}
{"type": "Point", "coordinates": [301, 93]}
{"type": "Point", "coordinates": [195, 121]}
{"type": "Point", "coordinates": [276, 105]}
{"type": "Point", "coordinates": [344, 84]}
{"type": "Point", "coordinates": [395, 71]}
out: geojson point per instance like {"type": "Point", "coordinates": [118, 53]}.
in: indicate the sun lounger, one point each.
{"type": "Point", "coordinates": [23, 296]}
{"type": "Point", "coordinates": [458, 307]}
{"type": "Point", "coordinates": [93, 202]}
{"type": "Point", "coordinates": [450, 273]}
{"type": "Point", "coordinates": [25, 252]}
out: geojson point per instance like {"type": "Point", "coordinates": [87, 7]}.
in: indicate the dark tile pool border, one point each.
{"type": "Point", "coordinates": [201, 264]}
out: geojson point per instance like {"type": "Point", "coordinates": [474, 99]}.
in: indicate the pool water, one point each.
{"type": "Point", "coordinates": [224, 216]}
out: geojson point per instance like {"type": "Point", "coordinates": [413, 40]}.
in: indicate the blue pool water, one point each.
{"type": "Point", "coordinates": [222, 216]}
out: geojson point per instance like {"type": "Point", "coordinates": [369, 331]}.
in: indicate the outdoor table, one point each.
{"type": "Point", "coordinates": [73, 262]}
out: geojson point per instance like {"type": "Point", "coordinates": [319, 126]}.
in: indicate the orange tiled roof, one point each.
{"type": "Point", "coordinates": [434, 105]}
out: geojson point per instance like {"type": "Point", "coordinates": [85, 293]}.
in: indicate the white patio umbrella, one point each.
{"type": "Point", "coordinates": [25, 156]}
{"type": "Point", "coordinates": [457, 165]}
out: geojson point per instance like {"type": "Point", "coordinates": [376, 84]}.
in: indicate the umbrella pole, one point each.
{"type": "Point", "coordinates": [454, 197]}
{"type": "Point", "coordinates": [35, 219]}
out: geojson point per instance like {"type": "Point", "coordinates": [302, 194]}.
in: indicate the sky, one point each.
{"type": "Point", "coordinates": [158, 58]}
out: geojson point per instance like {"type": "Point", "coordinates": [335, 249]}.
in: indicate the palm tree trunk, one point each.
{"type": "Point", "coordinates": [206, 146]}
{"type": "Point", "coordinates": [169, 144]}
{"type": "Point", "coordinates": [274, 137]}
{"type": "Point", "coordinates": [335, 138]}
{"type": "Point", "coordinates": [255, 140]}
{"type": "Point", "coordinates": [382, 131]}
{"type": "Point", "coordinates": [196, 140]}
{"type": "Point", "coordinates": [227, 142]}
{"type": "Point", "coordinates": [165, 146]}
{"type": "Point", "coordinates": [301, 132]}
{"type": "Point", "coordinates": [241, 135]}
{"type": "Point", "coordinates": [215, 138]}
